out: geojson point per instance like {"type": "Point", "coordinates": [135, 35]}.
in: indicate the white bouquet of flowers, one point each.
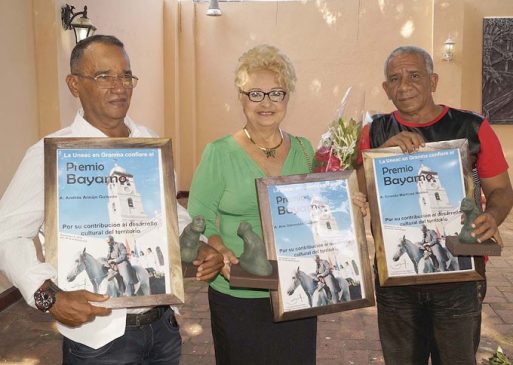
{"type": "Point", "coordinates": [338, 147]}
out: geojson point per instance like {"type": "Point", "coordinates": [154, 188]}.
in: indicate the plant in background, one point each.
{"type": "Point", "coordinates": [499, 358]}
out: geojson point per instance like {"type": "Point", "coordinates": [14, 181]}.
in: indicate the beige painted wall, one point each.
{"type": "Point", "coordinates": [18, 98]}
{"type": "Point", "coordinates": [333, 45]}
{"type": "Point", "coordinates": [18, 92]}
{"type": "Point", "coordinates": [336, 44]}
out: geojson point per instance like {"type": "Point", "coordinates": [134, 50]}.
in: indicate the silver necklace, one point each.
{"type": "Point", "coordinates": [269, 152]}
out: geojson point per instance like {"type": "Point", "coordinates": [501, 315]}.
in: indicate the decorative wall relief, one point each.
{"type": "Point", "coordinates": [497, 89]}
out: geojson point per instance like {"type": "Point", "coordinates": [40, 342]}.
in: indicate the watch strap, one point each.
{"type": "Point", "coordinates": [45, 296]}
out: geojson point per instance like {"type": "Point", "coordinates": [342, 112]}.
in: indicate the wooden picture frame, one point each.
{"type": "Point", "coordinates": [407, 191]}
{"type": "Point", "coordinates": [313, 214]}
{"type": "Point", "coordinates": [118, 187]}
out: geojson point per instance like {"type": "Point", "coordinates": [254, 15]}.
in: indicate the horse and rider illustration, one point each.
{"type": "Point", "coordinates": [120, 267]}
{"type": "Point", "coordinates": [324, 286]}
{"type": "Point", "coordinates": [99, 271]}
{"type": "Point", "coordinates": [316, 294]}
{"type": "Point", "coordinates": [325, 278]}
{"type": "Point", "coordinates": [428, 255]}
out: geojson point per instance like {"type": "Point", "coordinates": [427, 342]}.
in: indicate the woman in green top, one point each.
{"type": "Point", "coordinates": [223, 191]}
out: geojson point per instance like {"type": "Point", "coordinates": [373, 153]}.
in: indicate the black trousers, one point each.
{"type": "Point", "coordinates": [416, 321]}
{"type": "Point", "coordinates": [244, 333]}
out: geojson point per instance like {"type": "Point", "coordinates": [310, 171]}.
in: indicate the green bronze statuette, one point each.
{"type": "Point", "coordinates": [253, 259]}
{"type": "Point", "coordinates": [190, 239]}
{"type": "Point", "coordinates": [469, 209]}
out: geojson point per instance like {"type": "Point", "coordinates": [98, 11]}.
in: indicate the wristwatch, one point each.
{"type": "Point", "coordinates": [45, 296]}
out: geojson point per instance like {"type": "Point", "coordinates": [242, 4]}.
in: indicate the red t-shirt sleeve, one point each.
{"type": "Point", "coordinates": [363, 143]}
{"type": "Point", "coordinates": [490, 159]}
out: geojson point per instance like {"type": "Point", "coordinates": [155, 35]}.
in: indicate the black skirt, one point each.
{"type": "Point", "coordinates": [244, 333]}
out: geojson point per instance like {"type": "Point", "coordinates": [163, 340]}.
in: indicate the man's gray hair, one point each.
{"type": "Point", "coordinates": [78, 51]}
{"type": "Point", "coordinates": [428, 60]}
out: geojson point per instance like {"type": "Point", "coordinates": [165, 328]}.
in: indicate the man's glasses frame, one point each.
{"type": "Point", "coordinates": [257, 96]}
{"type": "Point", "coordinates": [104, 81]}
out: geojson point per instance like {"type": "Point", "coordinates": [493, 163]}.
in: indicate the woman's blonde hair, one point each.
{"type": "Point", "coordinates": [265, 57]}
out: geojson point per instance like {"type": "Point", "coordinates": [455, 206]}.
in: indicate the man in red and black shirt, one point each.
{"type": "Point", "coordinates": [441, 320]}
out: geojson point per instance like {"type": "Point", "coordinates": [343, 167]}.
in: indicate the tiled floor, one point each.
{"type": "Point", "coordinates": [29, 337]}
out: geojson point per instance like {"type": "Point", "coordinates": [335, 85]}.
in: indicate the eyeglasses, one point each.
{"type": "Point", "coordinates": [104, 81]}
{"type": "Point", "coordinates": [257, 96]}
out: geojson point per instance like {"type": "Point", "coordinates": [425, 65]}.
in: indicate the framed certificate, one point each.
{"type": "Point", "coordinates": [415, 205]}
{"type": "Point", "coordinates": [316, 235]}
{"type": "Point", "coordinates": [111, 221]}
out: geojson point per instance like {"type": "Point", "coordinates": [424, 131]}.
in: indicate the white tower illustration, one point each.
{"type": "Point", "coordinates": [433, 199]}
{"type": "Point", "coordinates": [324, 224]}
{"type": "Point", "coordinates": [125, 204]}
{"type": "Point", "coordinates": [432, 195]}
{"type": "Point", "coordinates": [326, 233]}
{"type": "Point", "coordinates": [324, 228]}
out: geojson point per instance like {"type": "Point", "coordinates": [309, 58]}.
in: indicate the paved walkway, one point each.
{"type": "Point", "coordinates": [28, 337]}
